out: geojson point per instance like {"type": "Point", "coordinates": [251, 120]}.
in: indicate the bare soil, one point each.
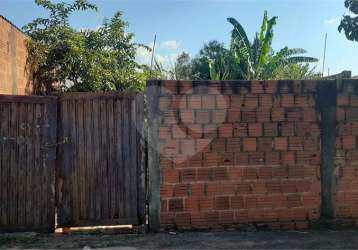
{"type": "Point", "coordinates": [345, 239]}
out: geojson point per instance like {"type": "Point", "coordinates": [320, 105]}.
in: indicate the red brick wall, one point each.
{"type": "Point", "coordinates": [347, 151]}
{"type": "Point", "coordinates": [13, 54]}
{"type": "Point", "coordinates": [239, 152]}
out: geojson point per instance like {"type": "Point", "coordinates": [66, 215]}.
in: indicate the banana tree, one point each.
{"type": "Point", "coordinates": [256, 60]}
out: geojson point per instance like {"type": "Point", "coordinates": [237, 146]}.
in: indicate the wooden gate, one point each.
{"type": "Point", "coordinates": [100, 171]}
{"type": "Point", "coordinates": [27, 163]}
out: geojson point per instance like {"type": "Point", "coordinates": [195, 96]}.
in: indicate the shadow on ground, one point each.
{"type": "Point", "coordinates": [347, 239]}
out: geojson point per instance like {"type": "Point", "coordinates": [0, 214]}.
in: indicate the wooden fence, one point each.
{"type": "Point", "coordinates": [27, 163]}
{"type": "Point", "coordinates": [100, 171]}
{"type": "Point", "coordinates": [93, 160]}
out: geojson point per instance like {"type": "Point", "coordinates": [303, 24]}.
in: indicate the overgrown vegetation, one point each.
{"type": "Point", "coordinates": [246, 60]}
{"type": "Point", "coordinates": [65, 59]}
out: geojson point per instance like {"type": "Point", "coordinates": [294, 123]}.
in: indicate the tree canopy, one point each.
{"type": "Point", "coordinates": [62, 58]}
{"type": "Point", "coordinates": [349, 23]}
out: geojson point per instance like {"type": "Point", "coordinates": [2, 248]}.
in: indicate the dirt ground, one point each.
{"type": "Point", "coordinates": [347, 239]}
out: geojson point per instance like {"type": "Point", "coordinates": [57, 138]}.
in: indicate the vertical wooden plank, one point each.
{"type": "Point", "coordinates": [126, 157]}
{"type": "Point", "coordinates": [29, 164]}
{"type": "Point", "coordinates": [51, 115]}
{"type": "Point", "coordinates": [133, 159]}
{"type": "Point", "coordinates": [80, 166]}
{"type": "Point", "coordinates": [104, 160]}
{"type": "Point", "coordinates": [140, 137]}
{"type": "Point", "coordinates": [97, 146]}
{"type": "Point", "coordinates": [119, 159]}
{"type": "Point", "coordinates": [111, 160]}
{"type": "Point", "coordinates": [88, 157]}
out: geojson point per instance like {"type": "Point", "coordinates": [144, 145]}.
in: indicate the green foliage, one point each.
{"type": "Point", "coordinates": [258, 60]}
{"type": "Point", "coordinates": [181, 69]}
{"type": "Point", "coordinates": [349, 24]}
{"type": "Point", "coordinates": [215, 54]}
{"type": "Point", "coordinates": [64, 59]}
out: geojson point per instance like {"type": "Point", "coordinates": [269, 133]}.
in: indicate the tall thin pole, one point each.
{"type": "Point", "coordinates": [324, 53]}
{"type": "Point", "coordinates": [153, 50]}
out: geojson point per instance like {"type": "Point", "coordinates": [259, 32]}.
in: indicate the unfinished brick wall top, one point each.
{"type": "Point", "coordinates": [13, 55]}
{"type": "Point", "coordinates": [239, 152]}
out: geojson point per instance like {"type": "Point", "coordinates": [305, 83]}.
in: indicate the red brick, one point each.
{"type": "Point", "coordinates": [226, 130]}
{"type": "Point", "coordinates": [295, 143]}
{"type": "Point", "coordinates": [255, 129]}
{"type": "Point", "coordinates": [202, 116]}
{"type": "Point", "coordinates": [188, 175]}
{"type": "Point", "coordinates": [226, 159]}
{"type": "Point", "coordinates": [237, 202]}
{"type": "Point", "coordinates": [219, 116]}
{"type": "Point", "coordinates": [226, 217]}
{"type": "Point", "coordinates": [165, 133]}
{"type": "Point", "coordinates": [212, 218]}
{"type": "Point", "coordinates": [208, 101]}
{"type": "Point", "coordinates": [265, 100]}
{"type": "Point", "coordinates": [218, 145]}
{"type": "Point", "coordinates": [202, 145]}
{"type": "Point", "coordinates": [348, 142]}
{"type": "Point", "coordinates": [176, 205]}
{"type": "Point", "coordinates": [272, 158]}
{"type": "Point", "coordinates": [251, 202]}
{"type": "Point", "coordinates": [205, 174]}
{"type": "Point", "coordinates": [251, 101]}
{"type": "Point", "coordinates": [181, 190]}
{"type": "Point", "coordinates": [242, 158]}
{"type": "Point", "coordinates": [302, 225]}
{"type": "Point", "coordinates": [264, 144]}
{"type": "Point", "coordinates": [248, 116]}
{"type": "Point", "coordinates": [294, 200]}
{"type": "Point", "coordinates": [280, 172]}
{"type": "Point", "coordinates": [165, 103]}
{"type": "Point", "coordinates": [342, 99]}
{"type": "Point", "coordinates": [194, 101]}
{"type": "Point", "coordinates": [256, 158]}
{"type": "Point", "coordinates": [211, 159]}
{"type": "Point", "coordinates": [233, 115]}
{"type": "Point", "coordinates": [182, 220]}
{"type": "Point", "coordinates": [222, 102]}
{"type": "Point", "coordinates": [271, 86]}
{"type": "Point", "coordinates": [257, 87]}
{"type": "Point", "coordinates": [270, 129]}
{"type": "Point", "coordinates": [164, 206]}
{"type": "Point", "coordinates": [170, 176]}
{"type": "Point", "coordinates": [304, 101]}
{"type": "Point", "coordinates": [273, 187]}
{"type": "Point", "coordinates": [179, 102]}
{"type": "Point", "coordinates": [179, 131]}
{"type": "Point", "coordinates": [287, 129]}
{"type": "Point", "coordinates": [233, 144]}
{"type": "Point", "coordinates": [206, 204]}
{"type": "Point", "coordinates": [191, 205]}
{"type": "Point", "coordinates": [287, 101]}
{"type": "Point", "coordinates": [198, 220]}
{"type": "Point", "coordinates": [243, 188]}
{"type": "Point", "coordinates": [195, 130]}
{"type": "Point", "coordinates": [222, 203]}
{"type": "Point", "coordinates": [250, 173]}
{"type": "Point", "coordinates": [263, 115]}
{"type": "Point", "coordinates": [240, 129]}
{"type": "Point", "coordinates": [220, 173]}
{"type": "Point", "coordinates": [309, 115]}
{"type": "Point", "coordinates": [295, 116]}
{"type": "Point", "coordinates": [265, 172]}
{"type": "Point", "coordinates": [278, 114]}
{"type": "Point", "coordinates": [281, 143]}
{"type": "Point", "coordinates": [197, 189]}
{"type": "Point", "coordinates": [186, 87]}
{"type": "Point", "coordinates": [249, 144]}
{"type": "Point", "coordinates": [187, 116]}
{"type": "Point", "coordinates": [237, 102]}
{"type": "Point", "coordinates": [166, 191]}
{"type": "Point", "coordinates": [210, 131]}
{"type": "Point", "coordinates": [187, 147]}
{"type": "Point", "coordinates": [170, 117]}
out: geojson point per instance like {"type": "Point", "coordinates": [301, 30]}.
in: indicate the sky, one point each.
{"type": "Point", "coordinates": [185, 25]}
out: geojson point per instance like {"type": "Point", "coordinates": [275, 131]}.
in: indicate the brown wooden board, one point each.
{"type": "Point", "coordinates": [27, 163]}
{"type": "Point", "coordinates": [99, 175]}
